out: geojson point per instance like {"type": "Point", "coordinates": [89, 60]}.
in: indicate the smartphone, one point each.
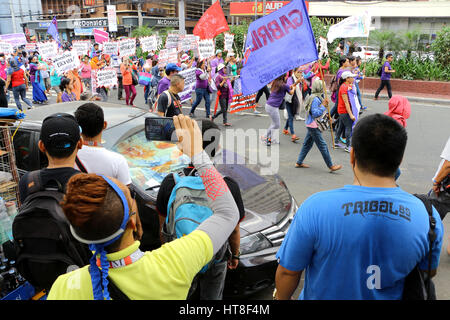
{"type": "Point", "coordinates": [160, 129]}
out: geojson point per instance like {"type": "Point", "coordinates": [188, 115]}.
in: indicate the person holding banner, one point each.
{"type": "Point", "coordinates": [35, 79]}
{"type": "Point", "coordinates": [202, 74]}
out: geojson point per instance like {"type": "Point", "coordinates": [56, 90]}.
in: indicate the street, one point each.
{"type": "Point", "coordinates": [428, 132]}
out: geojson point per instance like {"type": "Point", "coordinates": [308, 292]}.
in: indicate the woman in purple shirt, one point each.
{"type": "Point", "coordinates": [201, 88]}
{"type": "Point", "coordinates": [386, 71]}
{"type": "Point", "coordinates": [66, 87]}
{"type": "Point", "coordinates": [277, 93]}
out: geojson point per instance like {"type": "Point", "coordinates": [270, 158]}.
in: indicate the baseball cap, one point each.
{"type": "Point", "coordinates": [172, 67]}
{"type": "Point", "coordinates": [60, 132]}
{"type": "Point", "coordinates": [348, 74]}
{"type": "Point", "coordinates": [218, 51]}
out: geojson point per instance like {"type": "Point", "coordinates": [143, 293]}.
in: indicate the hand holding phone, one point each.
{"type": "Point", "coordinates": [189, 135]}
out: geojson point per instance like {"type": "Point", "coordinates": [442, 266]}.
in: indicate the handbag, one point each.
{"type": "Point", "coordinates": [145, 78]}
{"type": "Point", "coordinates": [323, 122]}
{"type": "Point", "coordinates": [135, 78]}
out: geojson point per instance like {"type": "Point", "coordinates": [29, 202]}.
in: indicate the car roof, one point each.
{"type": "Point", "coordinates": [114, 113]}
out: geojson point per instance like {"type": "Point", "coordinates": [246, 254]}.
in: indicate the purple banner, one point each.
{"type": "Point", "coordinates": [16, 39]}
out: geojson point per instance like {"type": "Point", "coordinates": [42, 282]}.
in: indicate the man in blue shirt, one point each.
{"type": "Point", "coordinates": [362, 240]}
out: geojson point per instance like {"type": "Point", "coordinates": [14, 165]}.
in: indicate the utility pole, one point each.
{"type": "Point", "coordinates": [181, 17]}
{"type": "Point", "coordinates": [140, 14]}
{"type": "Point", "coordinates": [13, 16]}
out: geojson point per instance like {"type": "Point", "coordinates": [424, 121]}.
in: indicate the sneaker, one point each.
{"type": "Point", "coordinates": [256, 112]}
{"type": "Point", "coordinates": [347, 149]}
{"type": "Point", "coordinates": [339, 145]}
{"type": "Point", "coordinates": [343, 140]}
{"type": "Point", "coordinates": [191, 115]}
{"type": "Point", "coordinates": [363, 108]}
{"type": "Point", "coordinates": [298, 118]}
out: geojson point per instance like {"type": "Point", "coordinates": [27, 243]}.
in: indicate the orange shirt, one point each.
{"type": "Point", "coordinates": [127, 78]}
{"type": "Point", "coordinates": [73, 75]}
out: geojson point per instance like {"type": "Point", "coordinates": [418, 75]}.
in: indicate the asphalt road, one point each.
{"type": "Point", "coordinates": [428, 130]}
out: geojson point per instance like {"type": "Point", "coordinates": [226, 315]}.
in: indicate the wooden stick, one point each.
{"type": "Point", "coordinates": [326, 97]}
{"type": "Point", "coordinates": [364, 69]}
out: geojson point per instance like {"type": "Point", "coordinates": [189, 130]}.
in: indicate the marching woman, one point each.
{"type": "Point", "coordinates": [37, 81]}
{"type": "Point", "coordinates": [202, 73]}
{"type": "Point", "coordinates": [225, 88]}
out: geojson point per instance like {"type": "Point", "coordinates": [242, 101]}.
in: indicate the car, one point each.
{"type": "Point", "coordinates": [366, 53]}
{"type": "Point", "coordinates": [269, 206]}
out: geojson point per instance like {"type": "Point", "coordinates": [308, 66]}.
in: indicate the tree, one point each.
{"type": "Point", "coordinates": [384, 39]}
{"type": "Point", "coordinates": [441, 45]}
{"type": "Point", "coordinates": [410, 41]}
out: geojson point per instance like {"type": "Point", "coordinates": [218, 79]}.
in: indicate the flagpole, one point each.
{"type": "Point", "coordinates": [364, 69]}
{"type": "Point", "coordinates": [326, 97]}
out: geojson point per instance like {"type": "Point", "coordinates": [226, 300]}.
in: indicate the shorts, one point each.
{"type": "Point", "coordinates": [47, 83]}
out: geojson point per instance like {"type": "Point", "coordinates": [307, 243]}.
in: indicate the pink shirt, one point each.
{"type": "Point", "coordinates": [85, 70]}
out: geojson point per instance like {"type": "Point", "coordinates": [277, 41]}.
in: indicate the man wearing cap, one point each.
{"type": "Point", "coordinates": [346, 117]}
{"type": "Point", "coordinates": [164, 83]}
{"type": "Point", "coordinates": [60, 141]}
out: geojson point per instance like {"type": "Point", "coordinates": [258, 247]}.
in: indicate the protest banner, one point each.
{"type": "Point", "coordinates": [356, 26]}
{"type": "Point", "coordinates": [81, 46]}
{"type": "Point", "coordinates": [66, 61]}
{"type": "Point", "coordinates": [189, 84]}
{"type": "Point", "coordinates": [101, 36]}
{"type": "Point", "coordinates": [323, 52]}
{"type": "Point", "coordinates": [149, 43]}
{"type": "Point", "coordinates": [228, 42]}
{"type": "Point", "coordinates": [172, 40]}
{"type": "Point", "coordinates": [284, 36]}
{"type": "Point", "coordinates": [29, 47]}
{"type": "Point", "coordinates": [167, 56]}
{"type": "Point", "coordinates": [188, 42]}
{"type": "Point", "coordinates": [241, 102]}
{"type": "Point", "coordinates": [206, 48]}
{"type": "Point", "coordinates": [106, 77]}
{"type": "Point", "coordinates": [15, 39]}
{"type": "Point", "coordinates": [127, 47]}
{"type": "Point", "coordinates": [111, 48]}
{"type": "Point", "coordinates": [6, 47]}
{"type": "Point", "coordinates": [112, 18]}
{"type": "Point", "coordinates": [48, 50]}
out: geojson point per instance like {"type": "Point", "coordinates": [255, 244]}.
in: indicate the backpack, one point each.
{"type": "Point", "coordinates": [44, 245]}
{"type": "Point", "coordinates": [418, 285]}
{"type": "Point", "coordinates": [169, 101]}
{"type": "Point", "coordinates": [380, 71]}
{"type": "Point", "coordinates": [188, 207]}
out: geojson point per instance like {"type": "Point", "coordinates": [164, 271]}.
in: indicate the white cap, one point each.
{"type": "Point", "coordinates": [231, 54]}
{"type": "Point", "coordinates": [220, 66]}
{"type": "Point", "coordinates": [348, 74]}
{"type": "Point", "coordinates": [218, 51]}
{"type": "Point", "coordinates": [184, 57]}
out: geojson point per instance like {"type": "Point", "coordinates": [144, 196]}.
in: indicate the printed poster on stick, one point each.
{"type": "Point", "coordinates": [189, 84]}
{"type": "Point", "coordinates": [48, 50]}
{"type": "Point", "coordinates": [228, 42]}
{"type": "Point", "coordinates": [81, 46]}
{"type": "Point", "coordinates": [188, 42]}
{"type": "Point", "coordinates": [111, 48]}
{"type": "Point", "coordinates": [206, 48]}
{"type": "Point", "coordinates": [66, 61]}
{"type": "Point", "coordinates": [6, 47]}
{"type": "Point", "coordinates": [172, 40]}
{"type": "Point", "coordinates": [106, 77]}
{"type": "Point", "coordinates": [149, 43]}
{"type": "Point", "coordinates": [167, 56]}
{"type": "Point", "coordinates": [127, 47]}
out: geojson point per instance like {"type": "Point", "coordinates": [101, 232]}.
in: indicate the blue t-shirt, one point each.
{"type": "Point", "coordinates": [359, 243]}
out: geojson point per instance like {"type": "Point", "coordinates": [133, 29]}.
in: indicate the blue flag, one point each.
{"type": "Point", "coordinates": [277, 43]}
{"type": "Point", "coordinates": [53, 31]}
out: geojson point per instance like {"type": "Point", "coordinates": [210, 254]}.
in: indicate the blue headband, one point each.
{"type": "Point", "coordinates": [99, 277]}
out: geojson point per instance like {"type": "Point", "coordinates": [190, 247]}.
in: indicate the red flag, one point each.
{"type": "Point", "coordinates": [212, 23]}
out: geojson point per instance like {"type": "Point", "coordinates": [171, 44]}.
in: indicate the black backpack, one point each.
{"type": "Point", "coordinates": [418, 284]}
{"type": "Point", "coordinates": [380, 71]}
{"type": "Point", "coordinates": [45, 247]}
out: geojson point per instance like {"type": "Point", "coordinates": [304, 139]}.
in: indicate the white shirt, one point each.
{"type": "Point", "coordinates": [445, 155]}
{"type": "Point", "coordinates": [102, 161]}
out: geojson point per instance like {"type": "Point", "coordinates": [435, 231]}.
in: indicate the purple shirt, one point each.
{"type": "Point", "coordinates": [276, 98]}
{"type": "Point", "coordinates": [200, 84]}
{"type": "Point", "coordinates": [33, 69]}
{"type": "Point", "coordinates": [163, 85]}
{"type": "Point", "coordinates": [224, 91]}
{"type": "Point", "coordinates": [384, 75]}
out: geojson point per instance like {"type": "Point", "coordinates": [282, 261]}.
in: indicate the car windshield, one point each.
{"type": "Point", "coordinates": [150, 161]}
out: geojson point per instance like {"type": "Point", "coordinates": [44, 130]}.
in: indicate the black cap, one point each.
{"type": "Point", "coordinates": [59, 132]}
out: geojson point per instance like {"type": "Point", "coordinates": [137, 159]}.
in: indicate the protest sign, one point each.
{"type": "Point", "coordinates": [356, 26]}
{"type": "Point", "coordinates": [15, 39]}
{"type": "Point", "coordinates": [206, 48]}
{"type": "Point", "coordinates": [48, 50]}
{"type": "Point", "coordinates": [106, 77]}
{"type": "Point", "coordinates": [111, 48]}
{"type": "Point", "coordinates": [101, 36]}
{"type": "Point", "coordinates": [172, 40]}
{"type": "Point", "coordinates": [66, 61]}
{"type": "Point", "coordinates": [81, 46]}
{"type": "Point", "coordinates": [127, 47]}
{"type": "Point", "coordinates": [112, 18]}
{"type": "Point", "coordinates": [188, 42]}
{"type": "Point", "coordinates": [149, 43]}
{"type": "Point", "coordinates": [323, 52]}
{"type": "Point", "coordinates": [228, 42]}
{"type": "Point", "coordinates": [6, 47]}
{"type": "Point", "coordinates": [284, 36]}
{"type": "Point", "coordinates": [29, 47]}
{"type": "Point", "coordinates": [189, 84]}
{"type": "Point", "coordinates": [167, 56]}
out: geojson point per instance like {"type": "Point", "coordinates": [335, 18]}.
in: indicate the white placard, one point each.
{"type": "Point", "coordinates": [206, 48]}
{"type": "Point", "coordinates": [149, 43]}
{"type": "Point", "coordinates": [127, 47]}
{"type": "Point", "coordinates": [323, 48]}
{"type": "Point", "coordinates": [228, 42]}
{"type": "Point", "coordinates": [167, 56]}
{"type": "Point", "coordinates": [111, 48]}
{"type": "Point", "coordinates": [112, 18]}
{"type": "Point", "coordinates": [82, 47]}
{"type": "Point", "coordinates": [172, 40]}
{"type": "Point", "coordinates": [48, 50]}
{"type": "Point", "coordinates": [188, 42]}
{"type": "Point", "coordinates": [6, 47]}
{"type": "Point", "coordinates": [106, 77]}
{"type": "Point", "coordinates": [66, 61]}
{"type": "Point", "coordinates": [190, 80]}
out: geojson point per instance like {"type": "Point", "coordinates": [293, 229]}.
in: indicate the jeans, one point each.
{"type": "Point", "coordinates": [313, 135]}
{"type": "Point", "coordinates": [211, 282]}
{"type": "Point", "coordinates": [223, 109]}
{"type": "Point", "coordinates": [130, 89]}
{"type": "Point", "coordinates": [387, 84]}
{"type": "Point", "coordinates": [120, 87]}
{"type": "Point", "coordinates": [290, 120]}
{"type": "Point", "coordinates": [20, 92]}
{"type": "Point", "coordinates": [345, 125]}
{"type": "Point", "coordinates": [264, 90]}
{"type": "Point", "coordinates": [103, 93]}
{"type": "Point", "coordinates": [274, 115]}
{"type": "Point", "coordinates": [147, 89]}
{"type": "Point", "coordinates": [202, 93]}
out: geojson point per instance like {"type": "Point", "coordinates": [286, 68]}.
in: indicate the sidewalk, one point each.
{"type": "Point", "coordinates": [423, 98]}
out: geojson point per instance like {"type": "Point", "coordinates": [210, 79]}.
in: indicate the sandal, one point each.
{"type": "Point", "coordinates": [301, 165]}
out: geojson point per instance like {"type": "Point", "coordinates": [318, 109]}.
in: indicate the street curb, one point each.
{"type": "Point", "coordinates": [442, 102]}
